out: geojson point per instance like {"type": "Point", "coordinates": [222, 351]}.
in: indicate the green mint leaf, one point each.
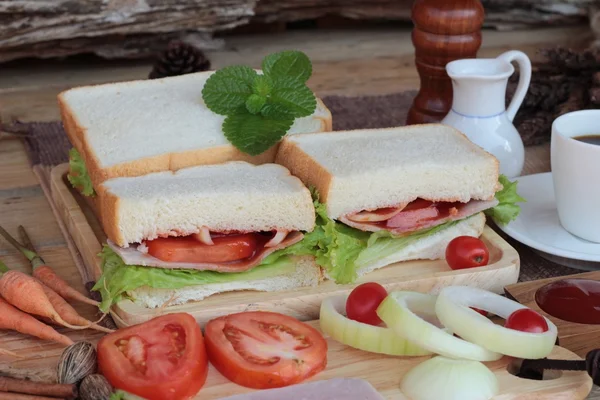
{"type": "Point", "coordinates": [287, 64]}
{"type": "Point", "coordinates": [227, 89]}
{"type": "Point", "coordinates": [255, 103]}
{"type": "Point", "coordinates": [291, 99]}
{"type": "Point", "coordinates": [253, 133]}
{"type": "Point", "coordinates": [262, 86]}
{"type": "Point", "coordinates": [78, 174]}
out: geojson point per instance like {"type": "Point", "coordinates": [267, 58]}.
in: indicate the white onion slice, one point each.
{"type": "Point", "coordinates": [278, 238]}
{"type": "Point", "coordinates": [204, 236]}
{"type": "Point", "coordinates": [452, 308]}
{"type": "Point", "coordinates": [442, 378]}
{"type": "Point", "coordinates": [374, 339]}
{"type": "Point", "coordinates": [375, 216]}
{"type": "Point", "coordinates": [399, 312]}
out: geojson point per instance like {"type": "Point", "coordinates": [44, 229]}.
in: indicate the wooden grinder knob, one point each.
{"type": "Point", "coordinates": [444, 30]}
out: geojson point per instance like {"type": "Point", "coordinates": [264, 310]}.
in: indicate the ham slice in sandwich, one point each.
{"type": "Point", "coordinates": [394, 194]}
{"type": "Point", "coordinates": [205, 230]}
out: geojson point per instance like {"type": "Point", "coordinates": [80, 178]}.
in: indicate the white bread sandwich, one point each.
{"type": "Point", "coordinates": [182, 236]}
{"type": "Point", "coordinates": [129, 129]}
{"type": "Point", "coordinates": [391, 195]}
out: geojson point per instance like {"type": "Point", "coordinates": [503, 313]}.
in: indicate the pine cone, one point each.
{"type": "Point", "coordinates": [178, 59]}
{"type": "Point", "coordinates": [570, 60]}
{"type": "Point", "coordinates": [535, 129]}
{"type": "Point", "coordinates": [545, 92]}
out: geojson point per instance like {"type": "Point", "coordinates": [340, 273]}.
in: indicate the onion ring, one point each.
{"type": "Point", "coordinates": [374, 339]}
{"type": "Point", "coordinates": [278, 238]}
{"type": "Point", "coordinates": [204, 236]}
{"type": "Point", "coordinates": [398, 312]}
{"type": "Point", "coordinates": [453, 310]}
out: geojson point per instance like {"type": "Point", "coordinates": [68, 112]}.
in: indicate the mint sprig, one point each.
{"type": "Point", "coordinates": [261, 108]}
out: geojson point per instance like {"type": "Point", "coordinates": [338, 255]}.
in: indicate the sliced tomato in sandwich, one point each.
{"type": "Point", "coordinates": [226, 248]}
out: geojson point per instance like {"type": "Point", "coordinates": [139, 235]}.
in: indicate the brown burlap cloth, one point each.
{"type": "Point", "coordinates": [47, 144]}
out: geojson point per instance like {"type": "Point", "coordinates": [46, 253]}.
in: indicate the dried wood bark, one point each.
{"type": "Point", "coordinates": [137, 28]}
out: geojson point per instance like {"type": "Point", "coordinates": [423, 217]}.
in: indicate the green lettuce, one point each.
{"type": "Point", "coordinates": [118, 278]}
{"type": "Point", "coordinates": [78, 174]}
{"type": "Point", "coordinates": [343, 250]}
{"type": "Point", "coordinates": [507, 209]}
{"type": "Point", "coordinates": [339, 249]}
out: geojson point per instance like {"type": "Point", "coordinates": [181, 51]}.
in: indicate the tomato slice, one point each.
{"type": "Point", "coordinates": [162, 359]}
{"type": "Point", "coordinates": [187, 249]}
{"type": "Point", "coordinates": [263, 350]}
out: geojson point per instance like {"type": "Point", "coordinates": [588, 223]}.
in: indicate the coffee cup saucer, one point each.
{"type": "Point", "coordinates": [538, 226]}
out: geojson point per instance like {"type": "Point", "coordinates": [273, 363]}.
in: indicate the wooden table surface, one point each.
{"type": "Point", "coordinates": [346, 62]}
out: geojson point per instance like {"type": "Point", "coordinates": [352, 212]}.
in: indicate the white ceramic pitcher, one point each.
{"type": "Point", "coordinates": [479, 108]}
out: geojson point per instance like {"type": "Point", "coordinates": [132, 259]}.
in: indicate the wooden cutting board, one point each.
{"type": "Point", "coordinates": [303, 303]}
{"type": "Point", "coordinates": [383, 372]}
{"type": "Point", "coordinates": [579, 338]}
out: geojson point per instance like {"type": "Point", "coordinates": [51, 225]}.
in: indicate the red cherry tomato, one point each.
{"type": "Point", "coordinates": [482, 312]}
{"type": "Point", "coordinates": [526, 320]}
{"type": "Point", "coordinates": [363, 301]}
{"type": "Point", "coordinates": [466, 252]}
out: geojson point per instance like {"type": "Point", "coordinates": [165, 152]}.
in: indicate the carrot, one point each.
{"type": "Point", "coordinates": [16, 320]}
{"type": "Point", "coordinates": [68, 313]}
{"type": "Point", "coordinates": [27, 294]}
{"type": "Point", "coordinates": [43, 272]}
{"type": "Point", "coordinates": [48, 277]}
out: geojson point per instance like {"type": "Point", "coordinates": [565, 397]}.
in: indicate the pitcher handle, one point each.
{"type": "Point", "coordinates": [524, 79]}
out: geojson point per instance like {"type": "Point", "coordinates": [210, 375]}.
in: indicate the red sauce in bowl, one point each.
{"type": "Point", "coordinates": [572, 300]}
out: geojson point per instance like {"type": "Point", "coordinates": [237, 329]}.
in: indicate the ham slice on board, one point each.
{"type": "Point", "coordinates": [132, 256]}
{"type": "Point", "coordinates": [331, 389]}
{"type": "Point", "coordinates": [410, 221]}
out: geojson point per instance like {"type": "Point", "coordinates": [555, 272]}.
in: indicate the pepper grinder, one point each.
{"type": "Point", "coordinates": [444, 31]}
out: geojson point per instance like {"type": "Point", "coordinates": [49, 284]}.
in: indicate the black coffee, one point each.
{"type": "Point", "coordinates": [591, 139]}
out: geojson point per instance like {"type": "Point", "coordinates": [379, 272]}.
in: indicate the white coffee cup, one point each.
{"type": "Point", "coordinates": [576, 173]}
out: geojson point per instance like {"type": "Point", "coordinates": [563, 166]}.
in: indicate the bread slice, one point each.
{"type": "Point", "coordinates": [431, 247]}
{"type": "Point", "coordinates": [306, 274]}
{"type": "Point", "coordinates": [139, 127]}
{"type": "Point", "coordinates": [373, 168]}
{"type": "Point", "coordinates": [232, 196]}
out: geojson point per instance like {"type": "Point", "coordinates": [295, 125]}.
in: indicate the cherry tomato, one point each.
{"type": "Point", "coordinates": [526, 320]}
{"type": "Point", "coordinates": [162, 359]}
{"type": "Point", "coordinates": [482, 312]}
{"type": "Point", "coordinates": [187, 249]}
{"type": "Point", "coordinates": [363, 301]}
{"type": "Point", "coordinates": [466, 252]}
{"type": "Point", "coordinates": [261, 350]}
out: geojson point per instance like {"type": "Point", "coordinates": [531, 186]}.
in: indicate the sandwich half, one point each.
{"type": "Point", "coordinates": [181, 236]}
{"type": "Point", "coordinates": [397, 194]}
{"type": "Point", "coordinates": [134, 128]}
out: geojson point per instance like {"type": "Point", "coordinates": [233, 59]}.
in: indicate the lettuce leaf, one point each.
{"type": "Point", "coordinates": [383, 244]}
{"type": "Point", "coordinates": [78, 175]}
{"type": "Point", "coordinates": [338, 246]}
{"type": "Point", "coordinates": [339, 249]}
{"type": "Point", "coordinates": [343, 250]}
{"type": "Point", "coordinates": [507, 209]}
{"type": "Point", "coordinates": [118, 278]}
